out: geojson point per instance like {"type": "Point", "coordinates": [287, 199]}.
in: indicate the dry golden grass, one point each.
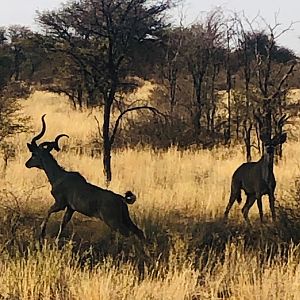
{"type": "Point", "coordinates": [190, 253]}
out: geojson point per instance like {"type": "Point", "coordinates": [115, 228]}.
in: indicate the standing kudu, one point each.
{"type": "Point", "coordinates": [256, 178]}
{"type": "Point", "coordinates": [72, 192]}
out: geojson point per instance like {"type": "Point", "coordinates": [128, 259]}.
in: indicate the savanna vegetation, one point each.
{"type": "Point", "coordinates": [168, 111]}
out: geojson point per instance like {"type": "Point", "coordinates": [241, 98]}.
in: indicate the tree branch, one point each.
{"type": "Point", "coordinates": [282, 81]}
{"type": "Point", "coordinates": [117, 123]}
{"type": "Point", "coordinates": [98, 127]}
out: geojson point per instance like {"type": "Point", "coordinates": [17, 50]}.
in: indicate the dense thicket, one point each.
{"type": "Point", "coordinates": [215, 80]}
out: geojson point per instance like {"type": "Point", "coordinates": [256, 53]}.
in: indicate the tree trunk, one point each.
{"type": "Point", "coordinates": [198, 93]}
{"type": "Point", "coordinates": [197, 122]}
{"type": "Point", "coordinates": [228, 91]}
{"type": "Point", "coordinates": [173, 134]}
{"type": "Point", "coordinates": [80, 97]}
{"type": "Point", "coordinates": [17, 65]}
{"type": "Point", "coordinates": [213, 100]}
{"type": "Point", "coordinates": [247, 140]}
{"type": "Point", "coordinates": [91, 99]}
{"type": "Point", "coordinates": [248, 152]}
{"type": "Point", "coordinates": [106, 143]}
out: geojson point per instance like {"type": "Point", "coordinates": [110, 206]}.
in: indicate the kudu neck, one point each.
{"type": "Point", "coordinates": [52, 169]}
{"type": "Point", "coordinates": [267, 160]}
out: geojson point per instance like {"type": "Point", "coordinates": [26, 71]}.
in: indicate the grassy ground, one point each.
{"type": "Point", "coordinates": [190, 254]}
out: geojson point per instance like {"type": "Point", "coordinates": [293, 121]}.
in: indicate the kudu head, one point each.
{"type": "Point", "coordinates": [269, 142]}
{"type": "Point", "coordinates": [38, 152]}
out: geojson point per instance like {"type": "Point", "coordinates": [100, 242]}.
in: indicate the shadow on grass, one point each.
{"type": "Point", "coordinates": [173, 234]}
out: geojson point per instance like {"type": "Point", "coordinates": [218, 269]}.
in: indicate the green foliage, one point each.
{"type": "Point", "coordinates": [11, 120]}
{"type": "Point", "coordinates": [98, 43]}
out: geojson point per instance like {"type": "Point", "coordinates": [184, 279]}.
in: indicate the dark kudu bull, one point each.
{"type": "Point", "coordinates": [73, 193]}
{"type": "Point", "coordinates": [256, 179]}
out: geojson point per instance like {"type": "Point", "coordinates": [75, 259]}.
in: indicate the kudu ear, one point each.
{"type": "Point", "coordinates": [30, 147]}
{"type": "Point", "coordinates": [279, 139]}
{"type": "Point", "coordinates": [49, 146]}
{"type": "Point", "coordinates": [282, 138]}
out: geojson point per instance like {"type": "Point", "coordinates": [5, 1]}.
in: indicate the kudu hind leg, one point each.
{"type": "Point", "coordinates": [245, 210]}
{"type": "Point", "coordinates": [130, 225]}
{"type": "Point", "coordinates": [116, 225]}
{"type": "Point", "coordinates": [234, 195]}
{"type": "Point", "coordinates": [135, 230]}
{"type": "Point", "coordinates": [260, 209]}
{"type": "Point", "coordinates": [123, 230]}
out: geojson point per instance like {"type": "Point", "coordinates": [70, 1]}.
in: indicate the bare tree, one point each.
{"type": "Point", "coordinates": [202, 43]}
{"type": "Point", "coordinates": [171, 70]}
{"type": "Point", "coordinates": [264, 71]}
{"type": "Point", "coordinates": [99, 36]}
{"type": "Point", "coordinates": [273, 67]}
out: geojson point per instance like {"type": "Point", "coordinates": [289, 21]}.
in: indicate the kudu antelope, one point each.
{"type": "Point", "coordinates": [72, 192]}
{"type": "Point", "coordinates": [256, 179]}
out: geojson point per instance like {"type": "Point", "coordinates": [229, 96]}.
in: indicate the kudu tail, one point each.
{"type": "Point", "coordinates": [130, 197]}
{"type": "Point", "coordinates": [236, 191]}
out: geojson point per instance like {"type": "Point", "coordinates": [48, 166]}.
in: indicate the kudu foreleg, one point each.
{"type": "Point", "coordinates": [66, 219]}
{"type": "Point", "coordinates": [56, 207]}
{"type": "Point", "coordinates": [272, 206]}
{"type": "Point", "coordinates": [260, 209]}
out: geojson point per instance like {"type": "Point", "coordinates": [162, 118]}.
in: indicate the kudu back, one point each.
{"type": "Point", "coordinates": [256, 179]}
{"type": "Point", "coordinates": [72, 192]}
